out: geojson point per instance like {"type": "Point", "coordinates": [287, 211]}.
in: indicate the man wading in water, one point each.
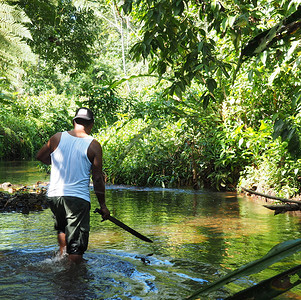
{"type": "Point", "coordinates": [72, 155]}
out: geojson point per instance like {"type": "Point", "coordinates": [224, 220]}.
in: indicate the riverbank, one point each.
{"type": "Point", "coordinates": [22, 198]}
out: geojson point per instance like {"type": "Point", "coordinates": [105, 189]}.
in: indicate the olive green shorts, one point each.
{"type": "Point", "coordinates": [72, 217]}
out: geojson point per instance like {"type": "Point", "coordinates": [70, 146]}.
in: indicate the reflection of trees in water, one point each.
{"type": "Point", "coordinates": [21, 172]}
{"type": "Point", "coordinates": [214, 212]}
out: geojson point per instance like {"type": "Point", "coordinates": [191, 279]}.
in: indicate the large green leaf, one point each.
{"type": "Point", "coordinates": [276, 254]}
{"type": "Point", "coordinates": [288, 133]}
{"type": "Point", "coordinates": [271, 287]}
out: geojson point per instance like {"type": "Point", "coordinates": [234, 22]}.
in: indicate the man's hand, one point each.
{"type": "Point", "coordinates": [104, 212]}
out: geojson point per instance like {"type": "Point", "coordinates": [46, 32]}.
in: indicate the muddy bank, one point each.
{"type": "Point", "coordinates": [22, 198]}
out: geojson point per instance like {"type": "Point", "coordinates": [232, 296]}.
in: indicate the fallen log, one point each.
{"type": "Point", "coordinates": [290, 205]}
{"type": "Point", "coordinates": [281, 209]}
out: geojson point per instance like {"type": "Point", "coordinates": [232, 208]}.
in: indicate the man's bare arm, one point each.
{"type": "Point", "coordinates": [95, 155]}
{"type": "Point", "coordinates": [43, 154]}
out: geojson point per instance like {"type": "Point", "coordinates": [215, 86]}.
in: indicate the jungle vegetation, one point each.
{"type": "Point", "coordinates": [186, 92]}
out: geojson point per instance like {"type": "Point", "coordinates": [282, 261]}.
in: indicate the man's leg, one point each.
{"type": "Point", "coordinates": [76, 258]}
{"type": "Point", "coordinates": [57, 207]}
{"type": "Point", "coordinates": [77, 229]}
{"type": "Point", "coordinates": [61, 237]}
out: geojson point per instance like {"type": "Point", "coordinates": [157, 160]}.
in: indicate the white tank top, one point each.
{"type": "Point", "coordinates": [70, 168]}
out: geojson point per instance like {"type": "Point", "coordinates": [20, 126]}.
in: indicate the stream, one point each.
{"type": "Point", "coordinates": [198, 236]}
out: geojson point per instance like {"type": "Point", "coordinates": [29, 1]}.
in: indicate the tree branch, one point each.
{"type": "Point", "coordinates": [291, 205]}
{"type": "Point", "coordinates": [281, 209]}
{"type": "Point", "coordinates": [272, 197]}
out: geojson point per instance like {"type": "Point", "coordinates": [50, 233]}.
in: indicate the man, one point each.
{"type": "Point", "coordinates": [72, 155]}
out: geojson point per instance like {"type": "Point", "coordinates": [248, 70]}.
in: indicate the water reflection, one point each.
{"type": "Point", "coordinates": [21, 172]}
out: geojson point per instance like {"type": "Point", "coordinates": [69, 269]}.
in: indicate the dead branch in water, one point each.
{"type": "Point", "coordinates": [291, 205]}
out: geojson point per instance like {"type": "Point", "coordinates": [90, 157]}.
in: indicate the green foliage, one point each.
{"type": "Point", "coordinates": [146, 153]}
{"type": "Point", "coordinates": [62, 33]}
{"type": "Point", "coordinates": [183, 39]}
{"type": "Point", "coordinates": [13, 36]}
{"type": "Point", "coordinates": [104, 102]}
{"type": "Point", "coordinates": [28, 122]}
{"type": "Point", "coordinates": [39, 79]}
{"type": "Point", "coordinates": [203, 152]}
{"type": "Point", "coordinates": [289, 133]}
{"type": "Point", "coordinates": [96, 93]}
{"type": "Point", "coordinates": [177, 45]}
{"type": "Point", "coordinates": [15, 141]}
{"type": "Point", "coordinates": [204, 44]}
{"type": "Point", "coordinates": [267, 289]}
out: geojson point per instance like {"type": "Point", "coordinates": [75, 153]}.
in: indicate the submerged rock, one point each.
{"type": "Point", "coordinates": [22, 199]}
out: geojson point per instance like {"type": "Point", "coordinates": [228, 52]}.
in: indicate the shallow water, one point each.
{"type": "Point", "coordinates": [198, 236]}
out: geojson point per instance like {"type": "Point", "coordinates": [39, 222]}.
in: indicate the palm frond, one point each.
{"type": "Point", "coordinates": [13, 36]}
{"type": "Point", "coordinates": [14, 13]}
{"type": "Point", "coordinates": [17, 29]}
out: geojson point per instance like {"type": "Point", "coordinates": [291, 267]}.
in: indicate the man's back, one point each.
{"type": "Point", "coordinates": [70, 167]}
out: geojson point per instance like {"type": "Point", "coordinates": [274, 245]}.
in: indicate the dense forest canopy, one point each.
{"type": "Point", "coordinates": [201, 93]}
